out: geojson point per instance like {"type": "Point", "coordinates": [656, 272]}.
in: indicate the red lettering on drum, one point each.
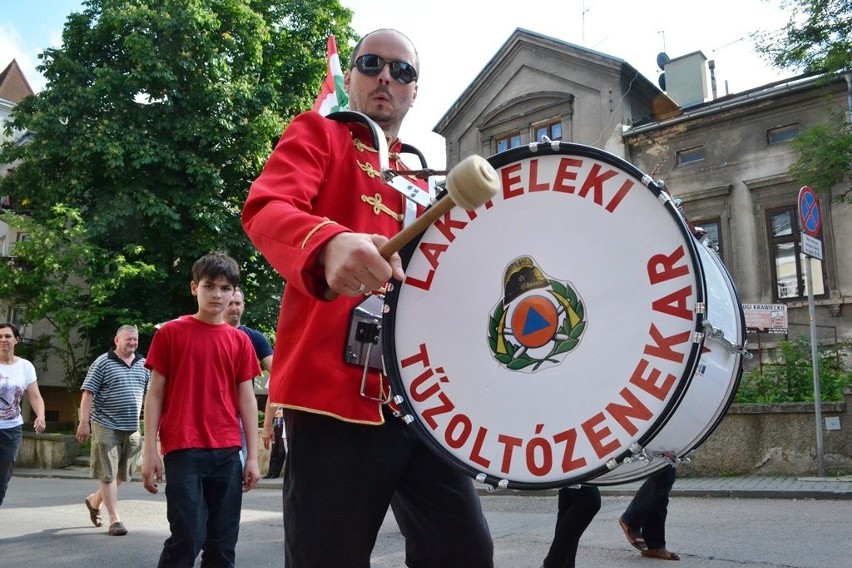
{"type": "Point", "coordinates": [595, 181]}
{"type": "Point", "coordinates": [569, 437]}
{"type": "Point", "coordinates": [420, 357]}
{"type": "Point", "coordinates": [535, 185]}
{"type": "Point", "coordinates": [596, 436]}
{"type": "Point", "coordinates": [649, 383]}
{"type": "Point", "coordinates": [508, 180]}
{"type": "Point", "coordinates": [422, 284]}
{"type": "Point", "coordinates": [445, 406]}
{"type": "Point", "coordinates": [432, 252]}
{"type": "Point", "coordinates": [619, 197]}
{"type": "Point", "coordinates": [509, 443]}
{"type": "Point", "coordinates": [416, 383]}
{"type": "Point", "coordinates": [565, 173]}
{"type": "Point", "coordinates": [634, 409]}
{"type": "Point", "coordinates": [476, 451]}
{"type": "Point", "coordinates": [447, 224]}
{"type": "Point", "coordinates": [662, 345]}
{"type": "Point", "coordinates": [538, 447]}
{"type": "Point", "coordinates": [457, 441]}
{"type": "Point", "coordinates": [674, 304]}
{"type": "Point", "coordinates": [662, 267]}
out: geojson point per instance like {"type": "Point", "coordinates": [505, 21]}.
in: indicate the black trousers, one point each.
{"type": "Point", "coordinates": [278, 451]}
{"type": "Point", "coordinates": [577, 507]}
{"type": "Point", "coordinates": [340, 480]}
{"type": "Point", "coordinates": [647, 512]}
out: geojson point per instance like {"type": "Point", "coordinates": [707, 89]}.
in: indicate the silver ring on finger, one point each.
{"type": "Point", "coordinates": [361, 289]}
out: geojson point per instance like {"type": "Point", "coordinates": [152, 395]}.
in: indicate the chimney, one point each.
{"type": "Point", "coordinates": [686, 79]}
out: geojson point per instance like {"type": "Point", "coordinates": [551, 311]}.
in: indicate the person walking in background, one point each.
{"type": "Point", "coordinates": [578, 505]}
{"type": "Point", "coordinates": [318, 213]}
{"type": "Point", "coordinates": [202, 370]}
{"type": "Point", "coordinates": [274, 440]}
{"type": "Point", "coordinates": [113, 391]}
{"type": "Point", "coordinates": [17, 379]}
{"type": "Point", "coordinates": [644, 521]}
{"type": "Point", "coordinates": [262, 349]}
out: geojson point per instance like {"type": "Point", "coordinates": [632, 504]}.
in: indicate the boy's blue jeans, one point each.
{"type": "Point", "coordinates": [204, 496]}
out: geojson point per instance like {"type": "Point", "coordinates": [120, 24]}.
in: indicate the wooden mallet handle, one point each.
{"type": "Point", "coordinates": [470, 184]}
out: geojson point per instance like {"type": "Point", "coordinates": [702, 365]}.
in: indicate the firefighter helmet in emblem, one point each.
{"type": "Point", "coordinates": [537, 322]}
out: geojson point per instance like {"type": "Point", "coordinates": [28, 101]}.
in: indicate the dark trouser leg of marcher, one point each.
{"type": "Point", "coordinates": [278, 452]}
{"type": "Point", "coordinates": [577, 507]}
{"type": "Point", "coordinates": [186, 472]}
{"type": "Point", "coordinates": [223, 491]}
{"type": "Point", "coordinates": [439, 513]}
{"type": "Point", "coordinates": [337, 487]}
{"type": "Point", "coordinates": [654, 526]}
{"type": "Point", "coordinates": [10, 443]}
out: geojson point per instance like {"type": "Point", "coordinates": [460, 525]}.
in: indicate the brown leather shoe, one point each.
{"type": "Point", "coordinates": [660, 554]}
{"type": "Point", "coordinates": [117, 529]}
{"type": "Point", "coordinates": [94, 514]}
{"type": "Point", "coordinates": [634, 539]}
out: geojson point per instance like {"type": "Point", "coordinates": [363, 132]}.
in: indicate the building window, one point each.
{"type": "Point", "coordinates": [788, 266]}
{"type": "Point", "coordinates": [782, 133]}
{"type": "Point", "coordinates": [509, 141]}
{"type": "Point", "coordinates": [553, 131]}
{"type": "Point", "coordinates": [690, 155]}
{"type": "Point", "coordinates": [16, 316]}
{"type": "Point", "coordinates": [713, 230]}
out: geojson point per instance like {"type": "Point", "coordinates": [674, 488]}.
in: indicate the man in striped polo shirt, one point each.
{"type": "Point", "coordinates": [113, 392]}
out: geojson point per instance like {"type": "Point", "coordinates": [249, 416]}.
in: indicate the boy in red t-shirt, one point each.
{"type": "Point", "coordinates": [201, 382]}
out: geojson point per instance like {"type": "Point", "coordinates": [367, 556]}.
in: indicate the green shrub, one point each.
{"type": "Point", "coordinates": [791, 378]}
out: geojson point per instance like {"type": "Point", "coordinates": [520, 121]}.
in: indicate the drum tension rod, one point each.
{"type": "Point", "coordinates": [719, 335]}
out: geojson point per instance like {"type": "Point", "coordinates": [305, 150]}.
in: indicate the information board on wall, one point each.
{"type": "Point", "coordinates": [766, 318]}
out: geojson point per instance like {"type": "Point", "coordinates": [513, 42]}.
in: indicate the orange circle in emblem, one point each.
{"type": "Point", "coordinates": [534, 321]}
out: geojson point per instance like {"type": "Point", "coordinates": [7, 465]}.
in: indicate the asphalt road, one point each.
{"type": "Point", "coordinates": [44, 524]}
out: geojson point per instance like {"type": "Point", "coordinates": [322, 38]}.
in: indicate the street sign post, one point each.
{"type": "Point", "coordinates": [810, 218]}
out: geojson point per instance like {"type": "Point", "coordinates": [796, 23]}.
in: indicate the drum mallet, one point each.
{"type": "Point", "coordinates": [470, 184]}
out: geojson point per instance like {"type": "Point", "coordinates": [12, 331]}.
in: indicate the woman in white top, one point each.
{"type": "Point", "coordinates": [17, 377]}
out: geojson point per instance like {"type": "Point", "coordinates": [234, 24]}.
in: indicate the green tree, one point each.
{"type": "Point", "coordinates": [156, 117]}
{"type": "Point", "coordinates": [57, 276]}
{"type": "Point", "coordinates": [818, 39]}
{"type": "Point", "coordinates": [791, 377]}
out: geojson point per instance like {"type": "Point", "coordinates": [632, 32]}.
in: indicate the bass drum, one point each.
{"type": "Point", "coordinates": [540, 340]}
{"type": "Point", "coordinates": [711, 390]}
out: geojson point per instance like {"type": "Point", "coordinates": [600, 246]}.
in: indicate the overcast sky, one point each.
{"type": "Point", "coordinates": [457, 38]}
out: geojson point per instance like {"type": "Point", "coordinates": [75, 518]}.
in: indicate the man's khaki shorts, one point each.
{"type": "Point", "coordinates": [114, 453]}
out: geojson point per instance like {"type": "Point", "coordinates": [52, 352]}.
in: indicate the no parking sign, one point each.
{"type": "Point", "coordinates": [809, 212]}
{"type": "Point", "coordinates": [810, 218]}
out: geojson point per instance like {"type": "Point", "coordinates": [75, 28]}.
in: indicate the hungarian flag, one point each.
{"type": "Point", "coordinates": [332, 97]}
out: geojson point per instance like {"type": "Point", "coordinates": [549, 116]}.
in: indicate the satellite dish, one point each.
{"type": "Point", "coordinates": [662, 59]}
{"type": "Point", "coordinates": [662, 81]}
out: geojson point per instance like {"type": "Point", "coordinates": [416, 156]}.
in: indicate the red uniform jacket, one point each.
{"type": "Point", "coordinates": [322, 179]}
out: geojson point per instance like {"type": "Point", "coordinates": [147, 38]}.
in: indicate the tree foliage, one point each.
{"type": "Point", "coordinates": [157, 116]}
{"type": "Point", "coordinates": [59, 277]}
{"type": "Point", "coordinates": [791, 378]}
{"type": "Point", "coordinates": [818, 39]}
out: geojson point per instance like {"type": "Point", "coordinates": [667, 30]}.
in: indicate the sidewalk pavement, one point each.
{"type": "Point", "coordinates": [745, 487]}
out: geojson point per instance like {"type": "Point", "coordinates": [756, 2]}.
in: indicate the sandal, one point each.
{"type": "Point", "coordinates": [117, 529]}
{"type": "Point", "coordinates": [94, 514]}
{"type": "Point", "coordinates": [660, 554]}
{"type": "Point", "coordinates": [634, 539]}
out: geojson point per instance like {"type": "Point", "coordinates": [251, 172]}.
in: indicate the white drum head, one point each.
{"type": "Point", "coordinates": [538, 338]}
{"type": "Point", "coordinates": [712, 388]}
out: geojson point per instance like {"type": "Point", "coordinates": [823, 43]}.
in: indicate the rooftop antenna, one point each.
{"type": "Point", "coordinates": [583, 19]}
{"type": "Point", "coordinates": [663, 33]}
{"type": "Point", "coordinates": [713, 68]}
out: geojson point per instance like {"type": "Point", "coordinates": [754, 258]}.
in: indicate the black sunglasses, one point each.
{"type": "Point", "coordinates": [372, 65]}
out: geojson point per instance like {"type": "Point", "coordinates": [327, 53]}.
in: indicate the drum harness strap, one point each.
{"type": "Point", "coordinates": [366, 318]}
